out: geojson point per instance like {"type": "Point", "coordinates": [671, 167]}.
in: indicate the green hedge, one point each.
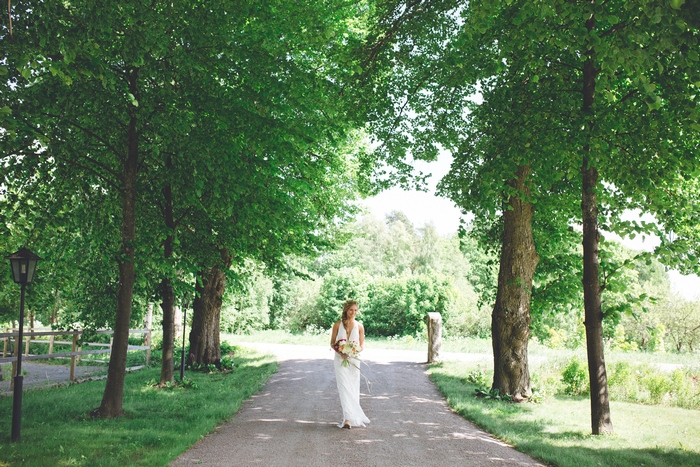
{"type": "Point", "coordinates": [399, 306]}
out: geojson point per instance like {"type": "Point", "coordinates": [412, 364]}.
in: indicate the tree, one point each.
{"type": "Point", "coordinates": [101, 91]}
{"type": "Point", "coordinates": [429, 110]}
{"type": "Point", "coordinates": [545, 66]}
{"type": "Point", "coordinates": [682, 322]}
{"type": "Point", "coordinates": [294, 177]}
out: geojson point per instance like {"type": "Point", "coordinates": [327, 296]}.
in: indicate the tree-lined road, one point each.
{"type": "Point", "coordinates": [292, 421]}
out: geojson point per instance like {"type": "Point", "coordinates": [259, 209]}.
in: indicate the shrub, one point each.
{"type": "Point", "coordinates": [478, 377]}
{"type": "Point", "coordinates": [647, 384]}
{"type": "Point", "coordinates": [546, 378]}
{"type": "Point", "coordinates": [575, 378]}
{"type": "Point", "coordinates": [685, 389]}
{"type": "Point", "coordinates": [620, 341]}
{"type": "Point", "coordinates": [246, 306]}
{"type": "Point", "coordinates": [243, 320]}
{"type": "Point", "coordinates": [656, 339]}
{"type": "Point", "coordinates": [399, 307]}
{"type": "Point", "coordinates": [295, 305]}
{"type": "Point", "coordinates": [623, 382]}
{"type": "Point", "coordinates": [658, 385]}
{"type": "Point", "coordinates": [557, 338]}
{"type": "Point", "coordinates": [338, 286]}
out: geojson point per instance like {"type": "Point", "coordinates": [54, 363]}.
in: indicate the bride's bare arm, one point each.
{"type": "Point", "coordinates": [334, 333]}
{"type": "Point", "coordinates": [362, 336]}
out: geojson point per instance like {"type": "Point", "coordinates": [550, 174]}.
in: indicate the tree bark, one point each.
{"type": "Point", "coordinates": [205, 345]}
{"type": "Point", "coordinates": [510, 321]}
{"type": "Point", "coordinates": [112, 398]}
{"type": "Point", "coordinates": [167, 369]}
{"type": "Point", "coordinates": [600, 402]}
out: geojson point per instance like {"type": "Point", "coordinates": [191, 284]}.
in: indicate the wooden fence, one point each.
{"type": "Point", "coordinates": [40, 336]}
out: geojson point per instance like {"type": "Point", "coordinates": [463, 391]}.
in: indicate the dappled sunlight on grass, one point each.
{"type": "Point", "coordinates": [256, 362]}
{"type": "Point", "coordinates": [160, 392]}
{"type": "Point", "coordinates": [558, 429]}
{"type": "Point", "coordinates": [160, 423]}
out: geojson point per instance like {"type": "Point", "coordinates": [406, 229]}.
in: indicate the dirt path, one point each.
{"type": "Point", "coordinates": [292, 421]}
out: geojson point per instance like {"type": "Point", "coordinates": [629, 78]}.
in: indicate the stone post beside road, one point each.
{"type": "Point", "coordinates": [434, 337]}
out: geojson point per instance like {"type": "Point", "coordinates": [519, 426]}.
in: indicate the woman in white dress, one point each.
{"type": "Point", "coordinates": [348, 376]}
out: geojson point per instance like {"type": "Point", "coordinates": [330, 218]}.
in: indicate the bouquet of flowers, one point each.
{"type": "Point", "coordinates": [348, 349]}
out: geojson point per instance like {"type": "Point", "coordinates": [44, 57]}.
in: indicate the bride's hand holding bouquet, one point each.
{"type": "Point", "coordinates": [347, 349]}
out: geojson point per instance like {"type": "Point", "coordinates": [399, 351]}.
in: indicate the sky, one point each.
{"type": "Point", "coordinates": [421, 207]}
{"type": "Point", "coordinates": [424, 207]}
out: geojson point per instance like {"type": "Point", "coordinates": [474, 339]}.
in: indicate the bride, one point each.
{"type": "Point", "coordinates": [348, 376]}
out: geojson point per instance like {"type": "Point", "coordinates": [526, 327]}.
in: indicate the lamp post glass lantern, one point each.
{"type": "Point", "coordinates": [23, 264]}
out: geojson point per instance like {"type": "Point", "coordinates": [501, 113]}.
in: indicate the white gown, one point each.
{"type": "Point", "coordinates": [348, 379]}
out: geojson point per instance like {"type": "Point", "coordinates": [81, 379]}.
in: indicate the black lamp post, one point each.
{"type": "Point", "coordinates": [23, 264]}
{"type": "Point", "coordinates": [185, 305]}
{"type": "Point", "coordinates": [182, 350]}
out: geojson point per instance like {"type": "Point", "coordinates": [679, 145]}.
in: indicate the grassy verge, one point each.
{"type": "Point", "coordinates": [458, 345]}
{"type": "Point", "coordinates": [160, 423]}
{"type": "Point", "coordinates": [464, 345]}
{"type": "Point", "coordinates": [557, 430]}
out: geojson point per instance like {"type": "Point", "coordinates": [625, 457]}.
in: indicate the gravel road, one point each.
{"type": "Point", "coordinates": [292, 421]}
{"type": "Point", "coordinates": [39, 375]}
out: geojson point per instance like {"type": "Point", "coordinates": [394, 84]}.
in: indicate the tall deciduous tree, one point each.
{"type": "Point", "coordinates": [427, 99]}
{"type": "Point", "coordinates": [232, 133]}
{"type": "Point", "coordinates": [293, 179]}
{"type": "Point", "coordinates": [555, 60]}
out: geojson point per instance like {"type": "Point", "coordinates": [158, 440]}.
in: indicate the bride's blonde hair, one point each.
{"type": "Point", "coordinates": [346, 307]}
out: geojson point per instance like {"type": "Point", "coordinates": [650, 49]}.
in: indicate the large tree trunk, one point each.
{"type": "Point", "coordinates": [167, 368]}
{"type": "Point", "coordinates": [205, 346]}
{"type": "Point", "coordinates": [510, 321]}
{"type": "Point", "coordinates": [600, 402]}
{"type": "Point", "coordinates": [112, 398]}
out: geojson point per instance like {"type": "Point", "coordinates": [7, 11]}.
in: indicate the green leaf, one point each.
{"type": "Point", "coordinates": [676, 4]}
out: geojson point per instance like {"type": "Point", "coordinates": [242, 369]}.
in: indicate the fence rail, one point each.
{"type": "Point", "coordinates": [76, 351]}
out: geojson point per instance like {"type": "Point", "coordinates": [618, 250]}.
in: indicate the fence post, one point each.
{"type": "Point", "coordinates": [147, 341]}
{"type": "Point", "coordinates": [434, 337]}
{"type": "Point", "coordinates": [6, 343]}
{"type": "Point", "coordinates": [147, 337]}
{"type": "Point", "coordinates": [51, 339]}
{"type": "Point", "coordinates": [26, 345]}
{"type": "Point", "coordinates": [73, 357]}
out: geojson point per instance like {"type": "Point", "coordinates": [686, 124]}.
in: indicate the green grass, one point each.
{"type": "Point", "coordinates": [277, 337]}
{"type": "Point", "coordinates": [459, 345]}
{"type": "Point", "coordinates": [557, 430]}
{"type": "Point", "coordinates": [322, 337]}
{"type": "Point", "coordinates": [160, 424]}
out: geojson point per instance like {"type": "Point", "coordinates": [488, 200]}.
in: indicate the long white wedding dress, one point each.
{"type": "Point", "coordinates": [348, 379]}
